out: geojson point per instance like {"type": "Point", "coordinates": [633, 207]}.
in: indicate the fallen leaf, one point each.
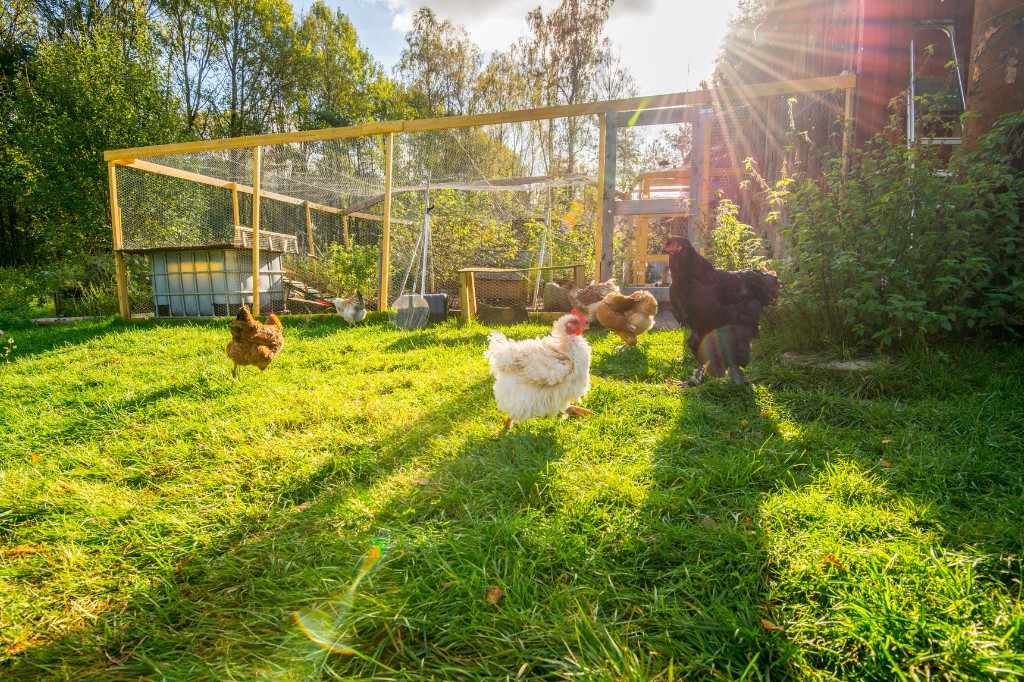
{"type": "Point", "coordinates": [708, 522]}
{"type": "Point", "coordinates": [21, 549]}
{"type": "Point", "coordinates": [886, 441]}
{"type": "Point", "coordinates": [743, 422]}
{"type": "Point", "coordinates": [765, 413]}
{"type": "Point", "coordinates": [303, 506]}
{"type": "Point", "coordinates": [768, 625]}
{"type": "Point", "coordinates": [759, 434]}
{"type": "Point", "coordinates": [831, 560]}
{"type": "Point", "coordinates": [747, 521]}
{"type": "Point", "coordinates": [886, 463]}
{"type": "Point", "coordinates": [494, 594]}
{"type": "Point", "coordinates": [36, 457]}
{"type": "Point", "coordinates": [421, 480]}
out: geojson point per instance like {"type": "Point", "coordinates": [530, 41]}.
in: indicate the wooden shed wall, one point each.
{"type": "Point", "coordinates": [808, 38]}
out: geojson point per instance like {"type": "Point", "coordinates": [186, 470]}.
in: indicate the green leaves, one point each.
{"type": "Point", "coordinates": [900, 249]}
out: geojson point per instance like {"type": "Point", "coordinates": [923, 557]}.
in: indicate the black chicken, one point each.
{"type": "Point", "coordinates": [722, 309]}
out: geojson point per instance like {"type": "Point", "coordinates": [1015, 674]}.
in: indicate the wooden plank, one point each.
{"type": "Point", "coordinates": [678, 99]}
{"type": "Point", "coordinates": [256, 231]}
{"type": "Point", "coordinates": [654, 117]}
{"type": "Point", "coordinates": [651, 207]}
{"type": "Point", "coordinates": [344, 230]}
{"type": "Point", "coordinates": [598, 230]}
{"type": "Point", "coordinates": [608, 202]}
{"type": "Point", "coordinates": [120, 273]}
{"type": "Point", "coordinates": [385, 247]}
{"type": "Point", "coordinates": [544, 268]}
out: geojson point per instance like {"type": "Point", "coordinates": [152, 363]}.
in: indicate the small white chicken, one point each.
{"type": "Point", "coordinates": [586, 299]}
{"type": "Point", "coordinates": [352, 309]}
{"type": "Point", "coordinates": [544, 376]}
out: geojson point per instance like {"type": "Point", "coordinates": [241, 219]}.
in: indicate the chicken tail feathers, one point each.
{"type": "Point", "coordinates": [274, 321]}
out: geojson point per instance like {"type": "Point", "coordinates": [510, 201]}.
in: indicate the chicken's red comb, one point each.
{"type": "Point", "coordinates": [578, 314]}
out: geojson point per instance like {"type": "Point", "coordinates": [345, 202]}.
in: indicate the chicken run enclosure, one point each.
{"type": "Point", "coordinates": [287, 221]}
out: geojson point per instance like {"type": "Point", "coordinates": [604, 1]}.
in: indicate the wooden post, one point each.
{"type": "Point", "coordinates": [344, 230]}
{"type": "Point", "coordinates": [700, 166]}
{"type": "Point", "coordinates": [580, 275]}
{"type": "Point", "coordinates": [255, 230]}
{"type": "Point", "coordinates": [385, 246]}
{"type": "Point", "coordinates": [234, 202]}
{"type": "Point", "coordinates": [464, 308]}
{"type": "Point", "coordinates": [608, 200]}
{"type": "Point", "coordinates": [472, 293]}
{"type": "Point", "coordinates": [115, 224]}
{"type": "Point", "coordinates": [309, 231]}
{"type": "Point", "coordinates": [598, 239]}
{"type": "Point", "coordinates": [847, 126]}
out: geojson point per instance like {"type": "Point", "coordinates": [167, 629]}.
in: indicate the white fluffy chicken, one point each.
{"type": "Point", "coordinates": [352, 309]}
{"type": "Point", "coordinates": [543, 376]}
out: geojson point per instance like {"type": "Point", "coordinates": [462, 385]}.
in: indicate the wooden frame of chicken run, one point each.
{"type": "Point", "coordinates": [682, 107]}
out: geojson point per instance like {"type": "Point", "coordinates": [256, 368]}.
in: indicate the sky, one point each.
{"type": "Point", "coordinates": [668, 45]}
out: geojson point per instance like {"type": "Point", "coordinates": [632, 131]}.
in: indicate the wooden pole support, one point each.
{"type": "Point", "coordinates": [344, 230]}
{"type": "Point", "coordinates": [580, 275]}
{"type": "Point", "coordinates": [115, 225]}
{"type": "Point", "coordinates": [600, 198]}
{"type": "Point", "coordinates": [309, 231]}
{"type": "Point", "coordinates": [234, 203]}
{"type": "Point", "coordinates": [464, 311]}
{"type": "Point", "coordinates": [385, 246]}
{"type": "Point", "coordinates": [255, 230]}
{"type": "Point", "coordinates": [607, 200]}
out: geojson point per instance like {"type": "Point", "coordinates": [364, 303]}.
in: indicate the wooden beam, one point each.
{"type": "Point", "coordinates": [115, 225]}
{"type": "Point", "coordinates": [235, 187]}
{"type": "Point", "coordinates": [607, 181]}
{"type": "Point", "coordinates": [385, 246]}
{"type": "Point", "coordinates": [344, 230]}
{"type": "Point", "coordinates": [654, 117]}
{"type": "Point", "coordinates": [651, 207]}
{"type": "Point", "coordinates": [678, 99]}
{"type": "Point", "coordinates": [256, 231]}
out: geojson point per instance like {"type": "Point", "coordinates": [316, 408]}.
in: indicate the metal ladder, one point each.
{"type": "Point", "coordinates": [935, 86]}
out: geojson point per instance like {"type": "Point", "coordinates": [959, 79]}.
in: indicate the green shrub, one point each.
{"type": "Point", "coordinates": [730, 244]}
{"type": "Point", "coordinates": [901, 250]}
{"type": "Point", "coordinates": [352, 268]}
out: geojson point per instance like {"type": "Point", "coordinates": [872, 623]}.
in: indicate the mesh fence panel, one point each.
{"type": "Point", "coordinates": [186, 218]}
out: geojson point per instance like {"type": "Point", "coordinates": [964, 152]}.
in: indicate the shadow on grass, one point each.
{"type": "Point", "coordinates": [194, 611]}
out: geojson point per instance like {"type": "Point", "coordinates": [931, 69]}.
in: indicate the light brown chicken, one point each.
{"type": "Point", "coordinates": [252, 342]}
{"type": "Point", "coordinates": [585, 299]}
{"type": "Point", "coordinates": [628, 316]}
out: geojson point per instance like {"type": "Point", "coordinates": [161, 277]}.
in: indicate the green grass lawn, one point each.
{"type": "Point", "coordinates": [161, 520]}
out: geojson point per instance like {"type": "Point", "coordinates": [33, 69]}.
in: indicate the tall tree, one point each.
{"type": "Point", "coordinates": [341, 81]}
{"type": "Point", "coordinates": [439, 65]}
{"type": "Point", "coordinates": [568, 60]}
{"type": "Point", "coordinates": [187, 33]}
{"type": "Point", "coordinates": [78, 99]}
{"type": "Point", "coordinates": [256, 49]}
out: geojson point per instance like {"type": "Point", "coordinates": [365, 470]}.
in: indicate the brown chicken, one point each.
{"type": "Point", "coordinates": [585, 299]}
{"type": "Point", "coordinates": [628, 316]}
{"type": "Point", "coordinates": [254, 343]}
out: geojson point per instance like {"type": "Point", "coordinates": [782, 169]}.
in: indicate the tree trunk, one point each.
{"type": "Point", "coordinates": [995, 87]}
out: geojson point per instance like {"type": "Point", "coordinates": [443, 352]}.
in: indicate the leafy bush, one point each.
{"type": "Point", "coordinates": [900, 249]}
{"type": "Point", "coordinates": [730, 244]}
{"type": "Point", "coordinates": [352, 268]}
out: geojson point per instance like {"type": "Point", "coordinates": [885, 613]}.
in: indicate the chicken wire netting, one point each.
{"type": "Point", "coordinates": [495, 202]}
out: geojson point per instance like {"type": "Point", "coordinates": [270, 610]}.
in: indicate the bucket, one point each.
{"type": "Point", "coordinates": [438, 304]}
